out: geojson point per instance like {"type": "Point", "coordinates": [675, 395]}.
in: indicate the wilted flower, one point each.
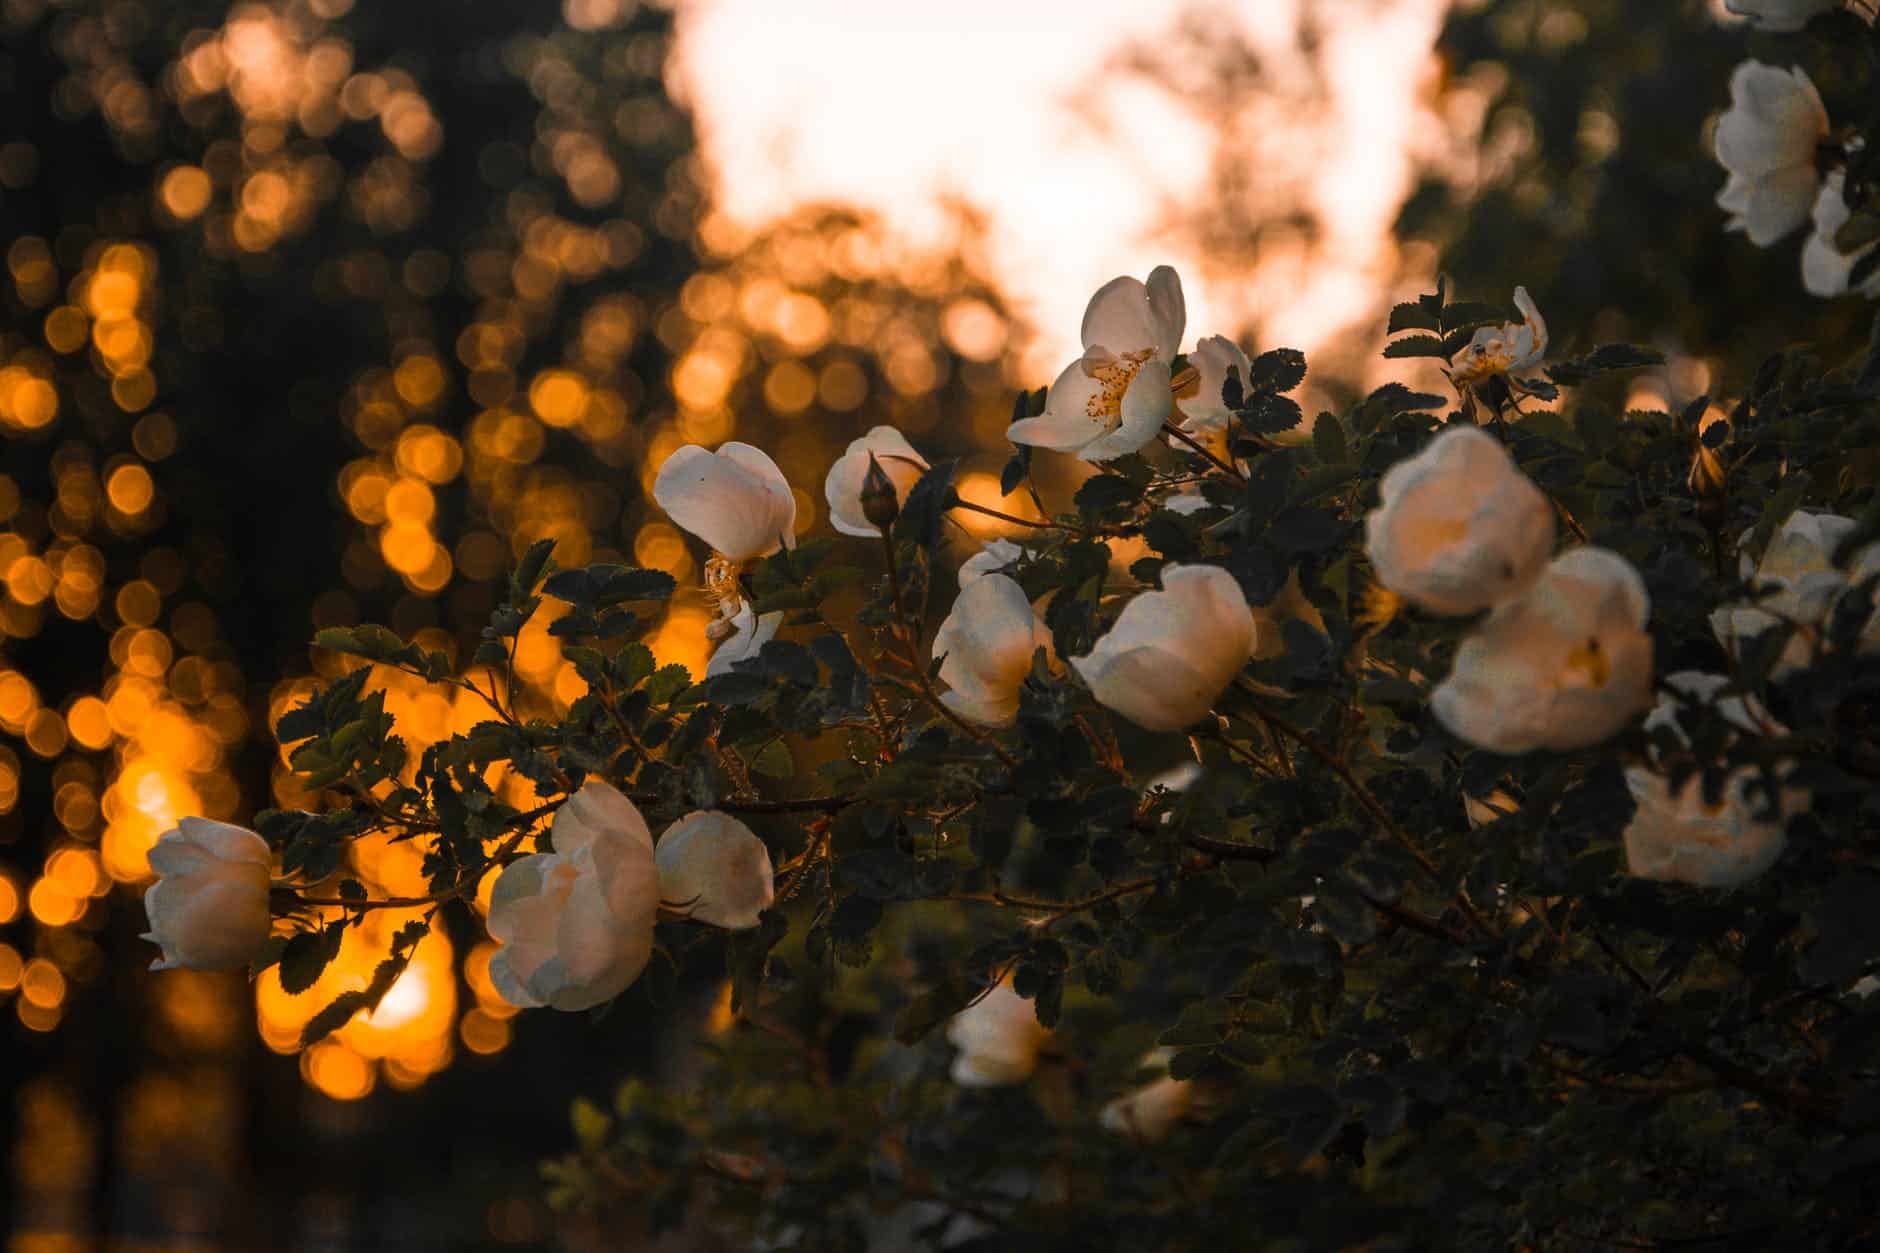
{"type": "Point", "coordinates": [1172, 652]}
{"type": "Point", "coordinates": [1151, 1111]}
{"type": "Point", "coordinates": [576, 925]}
{"type": "Point", "coordinates": [1679, 836]}
{"type": "Point", "coordinates": [1114, 399]}
{"type": "Point", "coordinates": [994, 558]}
{"type": "Point", "coordinates": [1767, 142]}
{"type": "Point", "coordinates": [987, 642]}
{"type": "Point", "coordinates": [1204, 411]}
{"type": "Point", "coordinates": [735, 499]}
{"type": "Point", "coordinates": [740, 637]}
{"type": "Point", "coordinates": [1458, 527]}
{"type": "Point", "coordinates": [715, 869]}
{"type": "Point", "coordinates": [209, 908]}
{"type": "Point", "coordinates": [1825, 268]}
{"type": "Point", "coordinates": [1799, 583]}
{"type": "Point", "coordinates": [1505, 348]}
{"type": "Point", "coordinates": [1780, 15]}
{"type": "Point", "coordinates": [843, 487]}
{"type": "Point", "coordinates": [1564, 666]}
{"type": "Point", "coordinates": [998, 1037]}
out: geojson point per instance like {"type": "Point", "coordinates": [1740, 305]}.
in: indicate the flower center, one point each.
{"type": "Point", "coordinates": [1587, 665]}
{"type": "Point", "coordinates": [721, 584]}
{"type": "Point", "coordinates": [1483, 360]}
{"type": "Point", "coordinates": [1113, 378]}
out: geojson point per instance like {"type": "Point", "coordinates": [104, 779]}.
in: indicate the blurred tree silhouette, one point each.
{"type": "Point", "coordinates": [313, 314]}
{"type": "Point", "coordinates": [1593, 182]}
{"type": "Point", "coordinates": [319, 315]}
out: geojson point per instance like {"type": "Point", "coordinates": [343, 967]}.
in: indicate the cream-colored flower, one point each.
{"type": "Point", "coordinates": [1563, 666]}
{"type": "Point", "coordinates": [987, 642]}
{"type": "Point", "coordinates": [715, 869]}
{"type": "Point", "coordinates": [208, 910]}
{"type": "Point", "coordinates": [576, 925]}
{"type": "Point", "coordinates": [1780, 15]}
{"type": "Point", "coordinates": [1151, 1111]}
{"type": "Point", "coordinates": [1767, 142]}
{"type": "Point", "coordinates": [1681, 837]}
{"type": "Point", "coordinates": [1172, 652]}
{"type": "Point", "coordinates": [1798, 582]}
{"type": "Point", "coordinates": [1506, 348]}
{"type": "Point", "coordinates": [998, 1038]}
{"type": "Point", "coordinates": [996, 557]}
{"type": "Point", "coordinates": [1458, 527]}
{"type": "Point", "coordinates": [843, 487]}
{"type": "Point", "coordinates": [741, 636]}
{"type": "Point", "coordinates": [1825, 268]}
{"type": "Point", "coordinates": [1204, 412]}
{"type": "Point", "coordinates": [1114, 399]}
{"type": "Point", "coordinates": [735, 499]}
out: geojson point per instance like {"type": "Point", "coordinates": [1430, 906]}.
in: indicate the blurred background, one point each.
{"type": "Point", "coordinates": [315, 314]}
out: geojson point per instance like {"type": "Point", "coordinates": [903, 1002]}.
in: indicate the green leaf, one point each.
{"type": "Point", "coordinates": [1279, 370]}
{"type": "Point", "coordinates": [305, 957]}
{"type": "Point", "coordinates": [1413, 317]}
{"type": "Point", "coordinates": [1328, 440]}
{"type": "Point", "coordinates": [1103, 493]}
{"type": "Point", "coordinates": [1415, 346]}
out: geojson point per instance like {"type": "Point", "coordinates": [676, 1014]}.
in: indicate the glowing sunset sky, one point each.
{"type": "Point", "coordinates": [889, 104]}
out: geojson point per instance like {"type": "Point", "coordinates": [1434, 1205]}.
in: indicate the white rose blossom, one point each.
{"type": "Point", "coordinates": [715, 869]}
{"type": "Point", "coordinates": [1458, 527]}
{"type": "Point", "coordinates": [1204, 412]}
{"type": "Point", "coordinates": [1506, 348]}
{"type": "Point", "coordinates": [1798, 582]}
{"type": "Point", "coordinates": [741, 636]}
{"type": "Point", "coordinates": [1767, 142]}
{"type": "Point", "coordinates": [1826, 270]}
{"type": "Point", "coordinates": [996, 557]}
{"type": "Point", "coordinates": [998, 1038]}
{"type": "Point", "coordinates": [1563, 666]}
{"type": "Point", "coordinates": [843, 487]}
{"type": "Point", "coordinates": [208, 910]}
{"type": "Point", "coordinates": [1151, 1111]}
{"type": "Point", "coordinates": [1781, 16]}
{"type": "Point", "coordinates": [735, 499]}
{"type": "Point", "coordinates": [1115, 398]}
{"type": "Point", "coordinates": [987, 642]}
{"type": "Point", "coordinates": [1170, 653]}
{"type": "Point", "coordinates": [576, 925]}
{"type": "Point", "coordinates": [1679, 836]}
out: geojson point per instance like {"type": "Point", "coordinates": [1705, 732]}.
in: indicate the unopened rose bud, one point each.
{"type": "Point", "coordinates": [208, 909]}
{"type": "Point", "coordinates": [880, 505]}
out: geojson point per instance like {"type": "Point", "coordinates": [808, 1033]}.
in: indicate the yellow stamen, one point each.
{"type": "Point", "coordinates": [1588, 663]}
{"type": "Point", "coordinates": [1114, 378]}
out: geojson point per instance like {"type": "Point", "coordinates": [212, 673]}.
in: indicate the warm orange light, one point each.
{"type": "Point", "coordinates": [42, 983]}
{"type": "Point", "coordinates": [558, 397]}
{"type": "Point", "coordinates": [9, 910]}
{"type": "Point", "coordinates": [130, 489]}
{"type": "Point", "coordinates": [185, 192]}
{"type": "Point", "coordinates": [18, 700]}
{"type": "Point", "coordinates": [26, 400]}
{"type": "Point", "coordinates": [67, 329]}
{"type": "Point", "coordinates": [337, 1071]}
{"type": "Point", "coordinates": [409, 501]}
{"type": "Point", "coordinates": [11, 966]}
{"type": "Point", "coordinates": [419, 380]}
{"type": "Point", "coordinates": [89, 722]}
{"type": "Point", "coordinates": [483, 1032]}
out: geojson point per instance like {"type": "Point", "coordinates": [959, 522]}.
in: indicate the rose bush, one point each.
{"type": "Point", "coordinates": [1374, 799]}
